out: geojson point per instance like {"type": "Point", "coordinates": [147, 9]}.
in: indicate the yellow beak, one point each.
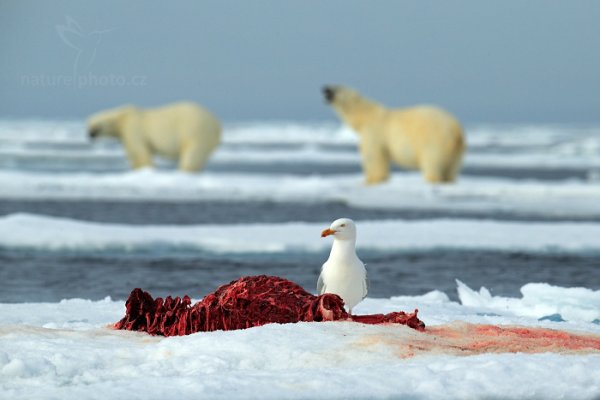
{"type": "Point", "coordinates": [327, 232]}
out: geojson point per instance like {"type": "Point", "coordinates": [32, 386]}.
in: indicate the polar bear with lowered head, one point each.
{"type": "Point", "coordinates": [183, 131]}
{"type": "Point", "coordinates": [421, 137]}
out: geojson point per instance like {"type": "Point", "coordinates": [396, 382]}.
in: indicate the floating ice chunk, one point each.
{"type": "Point", "coordinates": [32, 231]}
{"type": "Point", "coordinates": [402, 191]}
{"type": "Point", "coordinates": [433, 297]}
{"type": "Point", "coordinates": [540, 300]}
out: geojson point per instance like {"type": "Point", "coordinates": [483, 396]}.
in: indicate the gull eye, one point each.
{"type": "Point", "coordinates": [343, 225]}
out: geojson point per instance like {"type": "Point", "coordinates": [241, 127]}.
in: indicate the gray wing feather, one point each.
{"type": "Point", "coordinates": [366, 284]}
{"type": "Point", "coordinates": [320, 285]}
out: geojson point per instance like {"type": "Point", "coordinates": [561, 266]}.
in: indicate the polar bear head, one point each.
{"type": "Point", "coordinates": [350, 106]}
{"type": "Point", "coordinates": [341, 98]}
{"type": "Point", "coordinates": [108, 122]}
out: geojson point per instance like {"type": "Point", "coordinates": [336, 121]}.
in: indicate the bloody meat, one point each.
{"type": "Point", "coordinates": [244, 303]}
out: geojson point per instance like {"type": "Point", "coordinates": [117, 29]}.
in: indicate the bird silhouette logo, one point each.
{"type": "Point", "coordinates": [84, 43]}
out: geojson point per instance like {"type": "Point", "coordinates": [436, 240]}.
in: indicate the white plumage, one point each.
{"type": "Point", "coordinates": [343, 273]}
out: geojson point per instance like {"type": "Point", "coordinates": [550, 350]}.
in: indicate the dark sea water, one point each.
{"type": "Point", "coordinates": [53, 276]}
{"type": "Point", "coordinates": [240, 212]}
{"type": "Point", "coordinates": [34, 275]}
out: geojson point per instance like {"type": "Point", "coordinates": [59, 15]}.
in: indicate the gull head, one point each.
{"type": "Point", "coordinates": [343, 228]}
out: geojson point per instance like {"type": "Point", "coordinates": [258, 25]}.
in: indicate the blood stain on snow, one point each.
{"type": "Point", "coordinates": [471, 339]}
{"type": "Point", "coordinates": [258, 300]}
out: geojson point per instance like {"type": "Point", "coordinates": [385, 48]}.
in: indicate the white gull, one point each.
{"type": "Point", "coordinates": [343, 273]}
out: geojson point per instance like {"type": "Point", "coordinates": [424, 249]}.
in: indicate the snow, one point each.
{"type": "Point", "coordinates": [403, 191]}
{"type": "Point", "coordinates": [534, 161]}
{"type": "Point", "coordinates": [540, 300]}
{"type": "Point", "coordinates": [29, 149]}
{"type": "Point", "coordinates": [318, 132]}
{"type": "Point", "coordinates": [29, 231]}
{"type": "Point", "coordinates": [65, 350]}
{"type": "Point", "coordinates": [299, 154]}
{"type": "Point", "coordinates": [499, 146]}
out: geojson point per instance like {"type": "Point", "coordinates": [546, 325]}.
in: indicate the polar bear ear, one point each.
{"type": "Point", "coordinates": [340, 95]}
{"type": "Point", "coordinates": [119, 115]}
{"type": "Point", "coordinates": [125, 110]}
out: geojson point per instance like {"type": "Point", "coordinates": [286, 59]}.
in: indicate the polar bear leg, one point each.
{"type": "Point", "coordinates": [451, 172]}
{"type": "Point", "coordinates": [375, 161]}
{"type": "Point", "coordinates": [376, 169]}
{"type": "Point", "coordinates": [433, 176]}
{"type": "Point", "coordinates": [138, 154]}
{"type": "Point", "coordinates": [453, 169]}
{"type": "Point", "coordinates": [375, 175]}
{"type": "Point", "coordinates": [193, 158]}
{"type": "Point", "coordinates": [432, 169]}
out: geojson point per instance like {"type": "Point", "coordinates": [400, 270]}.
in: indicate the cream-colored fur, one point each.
{"type": "Point", "coordinates": [182, 131]}
{"type": "Point", "coordinates": [422, 137]}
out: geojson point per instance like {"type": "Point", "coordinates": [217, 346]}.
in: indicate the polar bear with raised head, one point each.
{"type": "Point", "coordinates": [182, 131]}
{"type": "Point", "coordinates": [421, 137]}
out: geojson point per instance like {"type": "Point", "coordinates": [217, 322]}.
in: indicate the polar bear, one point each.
{"type": "Point", "coordinates": [183, 131]}
{"type": "Point", "coordinates": [421, 137]}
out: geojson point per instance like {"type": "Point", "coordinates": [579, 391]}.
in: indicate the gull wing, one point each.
{"type": "Point", "coordinates": [320, 284]}
{"type": "Point", "coordinates": [366, 284]}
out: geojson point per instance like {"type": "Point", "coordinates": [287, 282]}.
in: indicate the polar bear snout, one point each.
{"type": "Point", "coordinates": [93, 132]}
{"type": "Point", "coordinates": [329, 93]}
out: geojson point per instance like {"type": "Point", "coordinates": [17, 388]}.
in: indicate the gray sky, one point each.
{"type": "Point", "coordinates": [501, 61]}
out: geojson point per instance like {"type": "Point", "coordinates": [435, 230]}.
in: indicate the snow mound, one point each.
{"type": "Point", "coordinates": [29, 231]}
{"type": "Point", "coordinates": [402, 191]}
{"type": "Point", "coordinates": [82, 358]}
{"type": "Point", "coordinates": [540, 300]}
